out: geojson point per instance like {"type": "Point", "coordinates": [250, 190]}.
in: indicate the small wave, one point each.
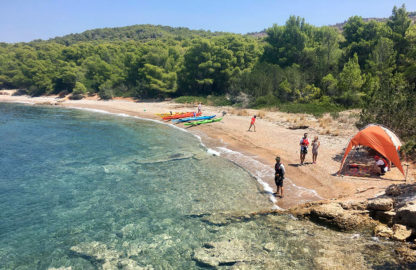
{"type": "Point", "coordinates": [260, 171]}
{"type": "Point", "coordinates": [200, 141]}
{"type": "Point", "coordinates": [213, 152]}
{"type": "Point", "coordinates": [22, 102]}
{"type": "Point", "coordinates": [90, 110]}
{"type": "Point", "coordinates": [243, 160]}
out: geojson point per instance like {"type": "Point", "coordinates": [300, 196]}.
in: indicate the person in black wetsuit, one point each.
{"type": "Point", "coordinates": [279, 176]}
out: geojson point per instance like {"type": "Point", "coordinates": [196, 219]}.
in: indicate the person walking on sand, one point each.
{"type": "Point", "coordinates": [279, 176]}
{"type": "Point", "coordinates": [199, 108]}
{"type": "Point", "coordinates": [252, 124]}
{"type": "Point", "coordinates": [304, 143]}
{"type": "Point", "coordinates": [315, 145]}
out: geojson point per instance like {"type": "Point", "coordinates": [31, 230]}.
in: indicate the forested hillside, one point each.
{"type": "Point", "coordinates": [145, 32]}
{"type": "Point", "coordinates": [370, 65]}
{"type": "Point", "coordinates": [340, 26]}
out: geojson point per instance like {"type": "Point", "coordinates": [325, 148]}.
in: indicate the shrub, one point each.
{"type": "Point", "coordinates": [266, 101]}
{"type": "Point", "coordinates": [409, 149]}
{"type": "Point", "coordinates": [20, 92]}
{"type": "Point", "coordinates": [105, 94]}
{"type": "Point", "coordinates": [317, 109]}
{"type": "Point", "coordinates": [209, 100]}
{"type": "Point", "coordinates": [218, 101]}
{"type": "Point", "coordinates": [63, 93]}
{"type": "Point", "coordinates": [190, 99]}
{"type": "Point", "coordinates": [106, 91]}
{"type": "Point", "coordinates": [79, 91]}
{"type": "Point", "coordinates": [335, 114]}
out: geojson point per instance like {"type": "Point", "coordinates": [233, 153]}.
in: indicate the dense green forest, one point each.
{"type": "Point", "coordinates": [369, 65]}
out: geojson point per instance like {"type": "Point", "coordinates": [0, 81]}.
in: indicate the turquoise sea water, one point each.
{"type": "Point", "coordinates": [84, 190]}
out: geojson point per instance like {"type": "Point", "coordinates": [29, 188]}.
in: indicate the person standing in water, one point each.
{"type": "Point", "coordinates": [252, 124]}
{"type": "Point", "coordinates": [304, 143]}
{"type": "Point", "coordinates": [279, 176]}
{"type": "Point", "coordinates": [315, 146]}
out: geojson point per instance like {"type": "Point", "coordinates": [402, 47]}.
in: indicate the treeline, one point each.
{"type": "Point", "coordinates": [144, 32]}
{"type": "Point", "coordinates": [153, 69]}
{"type": "Point", "coordinates": [370, 65]}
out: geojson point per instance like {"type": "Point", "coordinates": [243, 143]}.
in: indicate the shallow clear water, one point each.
{"type": "Point", "coordinates": [89, 191]}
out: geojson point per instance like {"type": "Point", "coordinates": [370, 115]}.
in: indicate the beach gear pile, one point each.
{"type": "Point", "coordinates": [379, 138]}
{"type": "Point", "coordinates": [189, 118]}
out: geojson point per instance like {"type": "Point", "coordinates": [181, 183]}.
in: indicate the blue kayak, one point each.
{"type": "Point", "coordinates": [193, 119]}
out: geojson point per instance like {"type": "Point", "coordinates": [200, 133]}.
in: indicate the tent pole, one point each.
{"type": "Point", "coordinates": [407, 169]}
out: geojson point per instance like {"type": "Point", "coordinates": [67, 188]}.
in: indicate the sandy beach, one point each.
{"type": "Point", "coordinates": [276, 133]}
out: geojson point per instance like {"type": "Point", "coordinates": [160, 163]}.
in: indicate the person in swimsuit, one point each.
{"type": "Point", "coordinates": [304, 143]}
{"type": "Point", "coordinates": [279, 176]}
{"type": "Point", "coordinates": [315, 146]}
{"type": "Point", "coordinates": [252, 124]}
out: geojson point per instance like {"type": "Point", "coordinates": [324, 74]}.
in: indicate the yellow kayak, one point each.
{"type": "Point", "coordinates": [168, 114]}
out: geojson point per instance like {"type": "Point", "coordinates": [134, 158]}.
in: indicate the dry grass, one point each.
{"type": "Point", "coordinates": [331, 132]}
{"type": "Point", "coordinates": [299, 120]}
{"type": "Point", "coordinates": [343, 119]}
{"type": "Point", "coordinates": [242, 113]}
{"type": "Point", "coordinates": [272, 109]}
{"type": "Point", "coordinates": [239, 112]}
{"type": "Point", "coordinates": [325, 121]}
{"type": "Point", "coordinates": [336, 132]}
{"type": "Point", "coordinates": [261, 114]}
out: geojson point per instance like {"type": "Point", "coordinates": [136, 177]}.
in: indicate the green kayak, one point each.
{"type": "Point", "coordinates": [203, 122]}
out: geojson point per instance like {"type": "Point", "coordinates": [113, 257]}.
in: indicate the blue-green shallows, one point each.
{"type": "Point", "coordinates": [84, 190]}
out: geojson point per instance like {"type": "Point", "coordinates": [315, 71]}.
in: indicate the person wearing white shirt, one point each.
{"type": "Point", "coordinates": [381, 164]}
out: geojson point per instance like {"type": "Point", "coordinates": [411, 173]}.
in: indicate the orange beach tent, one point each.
{"type": "Point", "coordinates": [380, 139]}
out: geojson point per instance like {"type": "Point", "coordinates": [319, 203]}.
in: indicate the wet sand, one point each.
{"type": "Point", "coordinates": [273, 136]}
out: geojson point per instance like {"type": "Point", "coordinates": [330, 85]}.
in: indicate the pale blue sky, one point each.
{"type": "Point", "coordinates": [25, 20]}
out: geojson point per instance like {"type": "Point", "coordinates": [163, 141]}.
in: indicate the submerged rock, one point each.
{"type": "Point", "coordinates": [269, 247]}
{"type": "Point", "coordinates": [129, 264]}
{"type": "Point", "coordinates": [329, 259]}
{"type": "Point", "coordinates": [109, 265]}
{"type": "Point", "coordinates": [228, 253]}
{"type": "Point", "coordinates": [96, 251]}
{"type": "Point", "coordinates": [99, 254]}
{"type": "Point", "coordinates": [217, 219]}
{"type": "Point", "coordinates": [172, 157]}
{"type": "Point", "coordinates": [407, 254]}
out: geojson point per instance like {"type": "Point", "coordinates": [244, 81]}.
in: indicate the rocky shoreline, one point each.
{"type": "Point", "coordinates": [391, 215]}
